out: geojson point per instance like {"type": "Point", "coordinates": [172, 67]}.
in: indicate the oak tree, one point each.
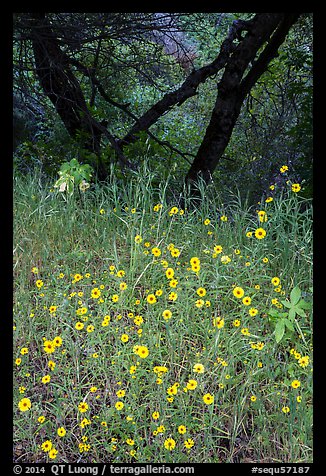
{"type": "Point", "coordinates": [55, 41]}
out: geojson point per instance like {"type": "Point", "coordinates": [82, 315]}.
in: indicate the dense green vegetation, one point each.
{"type": "Point", "coordinates": [152, 324]}
{"type": "Point", "coordinates": [96, 274]}
{"type": "Point", "coordinates": [274, 126]}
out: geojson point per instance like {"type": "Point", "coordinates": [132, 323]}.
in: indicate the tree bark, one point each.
{"type": "Point", "coordinates": [63, 89]}
{"type": "Point", "coordinates": [233, 88]}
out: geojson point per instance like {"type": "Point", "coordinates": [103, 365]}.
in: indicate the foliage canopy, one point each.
{"type": "Point", "coordinates": [143, 87]}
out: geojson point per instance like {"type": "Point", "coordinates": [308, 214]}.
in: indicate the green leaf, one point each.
{"type": "Point", "coordinates": [74, 163]}
{"type": "Point", "coordinates": [283, 314]}
{"type": "Point", "coordinates": [304, 305]}
{"type": "Point", "coordinates": [300, 311]}
{"type": "Point", "coordinates": [287, 304]}
{"type": "Point", "coordinates": [289, 324]}
{"type": "Point", "coordinates": [295, 295]}
{"type": "Point", "coordinates": [292, 313]}
{"type": "Point", "coordinates": [70, 186]}
{"type": "Point", "coordinates": [276, 313]}
{"type": "Point", "coordinates": [64, 167]}
{"type": "Point", "coordinates": [279, 330]}
{"type": "Point", "coordinates": [273, 313]}
{"type": "Point", "coordinates": [77, 177]}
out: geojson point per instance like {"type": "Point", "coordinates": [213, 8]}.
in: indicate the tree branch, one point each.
{"type": "Point", "coordinates": [189, 86]}
{"type": "Point", "coordinates": [124, 108]}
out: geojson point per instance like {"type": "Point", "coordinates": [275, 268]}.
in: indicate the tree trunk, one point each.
{"type": "Point", "coordinates": [62, 88]}
{"type": "Point", "coordinates": [233, 88]}
{"type": "Point", "coordinates": [237, 56]}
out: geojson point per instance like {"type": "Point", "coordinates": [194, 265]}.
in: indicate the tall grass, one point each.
{"type": "Point", "coordinates": [71, 260]}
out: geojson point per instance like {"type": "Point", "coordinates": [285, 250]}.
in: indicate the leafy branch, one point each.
{"type": "Point", "coordinates": [286, 320]}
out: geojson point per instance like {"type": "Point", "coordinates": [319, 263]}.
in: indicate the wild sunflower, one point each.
{"type": "Point", "coordinates": [24, 404]}
{"type": "Point", "coordinates": [182, 429]}
{"type": "Point", "coordinates": [173, 211]}
{"type": "Point", "coordinates": [253, 311]}
{"type": "Point", "coordinates": [260, 233]}
{"type": "Point", "coordinates": [218, 322]}
{"type": "Point", "coordinates": [296, 187]}
{"type": "Point", "coordinates": [189, 443]}
{"type": "Point", "coordinates": [238, 292]}
{"type": "Point", "coordinates": [194, 261]}
{"type": "Point", "coordinates": [208, 398]}
{"type": "Point", "coordinates": [48, 346]}
{"type": "Point", "coordinates": [169, 444]}
{"type": "Point", "coordinates": [46, 445]}
{"type": "Point", "coordinates": [198, 368]}
{"type": "Point", "coordinates": [246, 300]}
{"type": "Point", "coordinates": [201, 292]}
{"type": "Point", "coordinates": [218, 249]}
{"type": "Point", "coordinates": [95, 293]}
{"type": "Point", "coordinates": [173, 296]}
{"type": "Point", "coordinates": [61, 431]}
{"type": "Point", "coordinates": [303, 361]}
{"type": "Point", "coordinates": [167, 314]}
{"type": "Point", "coordinates": [191, 384]}
{"type": "Point", "coordinates": [151, 299]}
{"type": "Point", "coordinates": [83, 407]}
{"type": "Point", "coordinates": [275, 281]}
{"type": "Point", "coordinates": [142, 351]}
{"type": "Point", "coordinates": [57, 341]}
